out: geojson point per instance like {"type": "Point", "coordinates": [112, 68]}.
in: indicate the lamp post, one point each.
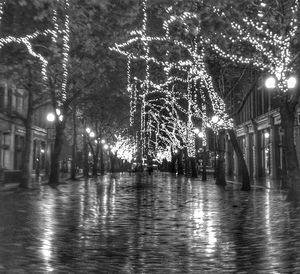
{"type": "Point", "coordinates": [285, 84]}
{"type": "Point", "coordinates": [215, 120]}
{"type": "Point", "coordinates": [50, 136]}
{"type": "Point", "coordinates": [85, 152]}
{"type": "Point", "coordinates": [200, 135]}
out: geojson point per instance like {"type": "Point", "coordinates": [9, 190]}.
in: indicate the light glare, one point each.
{"type": "Point", "coordinates": [291, 82]}
{"type": "Point", "coordinates": [50, 117]}
{"type": "Point", "coordinates": [270, 82]}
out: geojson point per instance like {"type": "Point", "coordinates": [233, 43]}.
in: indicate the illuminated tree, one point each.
{"type": "Point", "coordinates": [168, 108]}
{"type": "Point", "coordinates": [24, 66]}
{"type": "Point", "coordinates": [266, 38]}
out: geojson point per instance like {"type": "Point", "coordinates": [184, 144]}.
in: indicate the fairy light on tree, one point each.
{"type": "Point", "coordinates": [168, 127]}
{"type": "Point", "coordinates": [66, 49]}
{"type": "Point", "coordinates": [124, 148]}
{"type": "Point", "coordinates": [271, 40]}
{"type": "Point", "coordinates": [26, 40]}
{"type": "Point", "coordinates": [274, 50]}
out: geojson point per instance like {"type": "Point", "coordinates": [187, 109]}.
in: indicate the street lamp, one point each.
{"type": "Point", "coordinates": [215, 120]}
{"type": "Point", "coordinates": [271, 82]}
{"type": "Point", "coordinates": [50, 117]}
{"type": "Point", "coordinates": [105, 146]}
{"type": "Point", "coordinates": [267, 135]}
{"type": "Point", "coordinates": [199, 133]}
{"type": "Point", "coordinates": [292, 82]}
{"type": "Point", "coordinates": [50, 136]}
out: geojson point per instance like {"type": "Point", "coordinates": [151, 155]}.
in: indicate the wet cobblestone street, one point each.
{"type": "Point", "coordinates": [148, 224]}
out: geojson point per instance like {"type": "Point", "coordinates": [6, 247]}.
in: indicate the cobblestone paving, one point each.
{"type": "Point", "coordinates": [147, 224]}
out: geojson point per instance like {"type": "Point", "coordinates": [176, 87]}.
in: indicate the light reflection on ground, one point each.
{"type": "Point", "coordinates": [147, 224]}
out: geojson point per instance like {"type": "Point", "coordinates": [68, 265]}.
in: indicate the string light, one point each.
{"type": "Point", "coordinates": [54, 32]}
{"type": "Point", "coordinates": [272, 50]}
{"type": "Point", "coordinates": [162, 111]}
{"type": "Point", "coordinates": [65, 50]}
{"type": "Point", "coordinates": [124, 148]}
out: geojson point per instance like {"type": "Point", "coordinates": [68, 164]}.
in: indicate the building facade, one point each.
{"type": "Point", "coordinates": [12, 131]}
{"type": "Point", "coordinates": [260, 137]}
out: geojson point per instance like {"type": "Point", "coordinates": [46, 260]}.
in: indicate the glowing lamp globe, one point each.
{"type": "Point", "coordinates": [291, 82]}
{"type": "Point", "coordinates": [92, 134]}
{"type": "Point", "coordinates": [270, 82]}
{"type": "Point", "coordinates": [50, 117]}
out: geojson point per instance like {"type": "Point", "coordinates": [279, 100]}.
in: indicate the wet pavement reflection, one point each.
{"type": "Point", "coordinates": [147, 224]}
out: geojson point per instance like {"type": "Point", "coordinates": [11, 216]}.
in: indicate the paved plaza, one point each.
{"type": "Point", "coordinates": [138, 223]}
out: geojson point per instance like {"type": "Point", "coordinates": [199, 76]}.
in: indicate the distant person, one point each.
{"type": "Point", "coordinates": [150, 169]}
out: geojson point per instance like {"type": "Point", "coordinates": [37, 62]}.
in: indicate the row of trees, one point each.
{"type": "Point", "coordinates": [237, 39]}
{"type": "Point", "coordinates": [58, 52]}
{"type": "Point", "coordinates": [61, 56]}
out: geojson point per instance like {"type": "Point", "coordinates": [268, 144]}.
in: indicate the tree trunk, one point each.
{"type": "Point", "coordinates": [220, 168]}
{"type": "Point", "coordinates": [179, 163]}
{"type": "Point", "coordinates": [173, 164]}
{"type": "Point", "coordinates": [74, 148]}
{"type": "Point", "coordinates": [85, 156]}
{"type": "Point", "coordinates": [245, 174]}
{"type": "Point", "coordinates": [186, 162]}
{"type": "Point", "coordinates": [193, 167]}
{"type": "Point", "coordinates": [95, 161]}
{"type": "Point", "coordinates": [112, 162]}
{"type": "Point", "coordinates": [95, 165]}
{"type": "Point", "coordinates": [204, 164]}
{"type": "Point", "coordinates": [292, 165]}
{"type": "Point", "coordinates": [54, 170]}
{"type": "Point", "coordinates": [102, 161]}
{"type": "Point", "coordinates": [27, 156]}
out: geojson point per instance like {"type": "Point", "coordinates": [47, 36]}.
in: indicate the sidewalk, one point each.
{"type": "Point", "coordinates": [266, 183]}
{"type": "Point", "coordinates": [35, 181]}
{"type": "Point", "coordinates": [140, 223]}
